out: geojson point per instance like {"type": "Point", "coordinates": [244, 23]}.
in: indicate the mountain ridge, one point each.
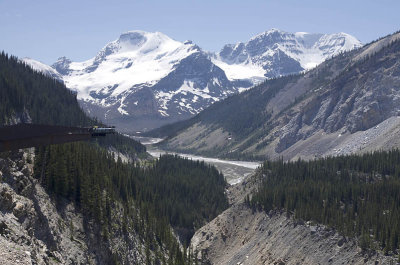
{"type": "Point", "coordinates": [143, 80]}
{"type": "Point", "coordinates": [321, 112]}
{"type": "Point", "coordinates": [301, 51]}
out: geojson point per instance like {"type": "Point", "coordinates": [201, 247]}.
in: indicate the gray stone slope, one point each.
{"type": "Point", "coordinates": [309, 115]}
{"type": "Point", "coordinates": [240, 235]}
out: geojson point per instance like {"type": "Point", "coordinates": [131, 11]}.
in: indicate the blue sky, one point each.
{"type": "Point", "coordinates": [47, 29]}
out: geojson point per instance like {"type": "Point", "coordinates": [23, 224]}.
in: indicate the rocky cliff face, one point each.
{"type": "Point", "coordinates": [36, 229]}
{"type": "Point", "coordinates": [242, 236]}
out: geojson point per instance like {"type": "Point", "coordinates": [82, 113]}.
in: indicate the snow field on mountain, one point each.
{"type": "Point", "coordinates": [128, 65]}
{"type": "Point", "coordinates": [241, 71]}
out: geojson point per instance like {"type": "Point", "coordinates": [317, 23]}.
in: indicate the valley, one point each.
{"type": "Point", "coordinates": [346, 104]}
{"type": "Point", "coordinates": [233, 171]}
{"type": "Point", "coordinates": [248, 145]}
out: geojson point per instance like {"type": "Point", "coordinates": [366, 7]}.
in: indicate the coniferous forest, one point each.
{"type": "Point", "coordinates": [47, 101]}
{"type": "Point", "coordinates": [357, 194]}
{"type": "Point", "coordinates": [175, 191]}
{"type": "Point", "coordinates": [169, 192]}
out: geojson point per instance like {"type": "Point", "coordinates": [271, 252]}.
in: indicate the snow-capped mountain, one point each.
{"type": "Point", "coordinates": [275, 53]}
{"type": "Point", "coordinates": [144, 80]}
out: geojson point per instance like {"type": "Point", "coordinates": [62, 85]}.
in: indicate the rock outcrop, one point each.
{"type": "Point", "coordinates": [37, 229]}
{"type": "Point", "coordinates": [242, 236]}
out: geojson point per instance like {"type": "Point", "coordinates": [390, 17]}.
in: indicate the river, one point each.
{"type": "Point", "coordinates": [234, 171]}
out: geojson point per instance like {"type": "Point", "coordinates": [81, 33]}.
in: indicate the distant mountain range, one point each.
{"type": "Point", "coordinates": [347, 104]}
{"type": "Point", "coordinates": [143, 80]}
{"type": "Point", "coordinates": [275, 53]}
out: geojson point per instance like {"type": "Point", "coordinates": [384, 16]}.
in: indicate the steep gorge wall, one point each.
{"type": "Point", "coordinates": [35, 229]}
{"type": "Point", "coordinates": [242, 236]}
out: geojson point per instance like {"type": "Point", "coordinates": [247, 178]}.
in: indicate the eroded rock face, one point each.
{"type": "Point", "coordinates": [242, 236]}
{"type": "Point", "coordinates": [36, 230]}
{"type": "Point", "coordinates": [32, 230]}
{"type": "Point", "coordinates": [6, 200]}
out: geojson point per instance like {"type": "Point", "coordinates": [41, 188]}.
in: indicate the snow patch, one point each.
{"type": "Point", "coordinates": [188, 87]}
{"type": "Point", "coordinates": [240, 71]}
{"type": "Point", "coordinates": [121, 106]}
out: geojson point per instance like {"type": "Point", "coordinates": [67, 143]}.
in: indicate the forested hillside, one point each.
{"type": "Point", "coordinates": [358, 194]}
{"type": "Point", "coordinates": [120, 202]}
{"type": "Point", "coordinates": [174, 191]}
{"type": "Point", "coordinates": [189, 193]}
{"type": "Point", "coordinates": [45, 100]}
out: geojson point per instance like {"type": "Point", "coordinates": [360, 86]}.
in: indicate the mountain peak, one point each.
{"type": "Point", "coordinates": [138, 36]}
{"type": "Point", "coordinates": [62, 65]}
{"type": "Point", "coordinates": [132, 37]}
{"type": "Point", "coordinates": [275, 30]}
{"type": "Point", "coordinates": [63, 59]}
{"type": "Point", "coordinates": [268, 33]}
{"type": "Point", "coordinates": [141, 73]}
{"type": "Point", "coordinates": [138, 41]}
{"type": "Point", "coordinates": [341, 40]}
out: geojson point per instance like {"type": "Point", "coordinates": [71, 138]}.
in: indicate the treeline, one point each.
{"type": "Point", "coordinates": [47, 101]}
{"type": "Point", "coordinates": [357, 194]}
{"type": "Point", "coordinates": [173, 191]}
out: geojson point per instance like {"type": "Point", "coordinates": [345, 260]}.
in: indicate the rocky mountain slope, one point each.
{"type": "Point", "coordinates": [242, 236]}
{"type": "Point", "coordinates": [143, 80]}
{"type": "Point", "coordinates": [348, 103]}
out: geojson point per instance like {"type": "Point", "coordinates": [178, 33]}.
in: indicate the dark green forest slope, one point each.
{"type": "Point", "coordinates": [357, 194]}
{"type": "Point", "coordinates": [172, 192]}
{"type": "Point", "coordinates": [46, 100]}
